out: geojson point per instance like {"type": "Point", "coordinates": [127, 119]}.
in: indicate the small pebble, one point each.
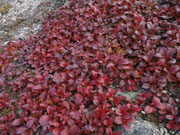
{"type": "Point", "coordinates": [164, 91]}
{"type": "Point", "coordinates": [161, 130]}
{"type": "Point", "coordinates": [113, 108]}
{"type": "Point", "coordinates": [143, 112]}
{"type": "Point", "coordinates": [20, 111]}
{"type": "Point", "coordinates": [49, 134]}
{"type": "Point", "coordinates": [165, 130]}
{"type": "Point", "coordinates": [172, 132]}
{"type": "Point", "coordinates": [177, 99]}
{"type": "Point", "coordinates": [178, 133]}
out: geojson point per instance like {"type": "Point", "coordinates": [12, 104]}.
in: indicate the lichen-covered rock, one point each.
{"type": "Point", "coordinates": [141, 127]}
{"type": "Point", "coordinates": [19, 18]}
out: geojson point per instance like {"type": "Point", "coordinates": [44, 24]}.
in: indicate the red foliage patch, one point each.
{"type": "Point", "coordinates": [60, 80]}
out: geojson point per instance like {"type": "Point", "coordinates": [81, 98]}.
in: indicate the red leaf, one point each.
{"type": "Point", "coordinates": [38, 87]}
{"type": "Point", "coordinates": [164, 111]}
{"type": "Point", "coordinates": [71, 74]}
{"type": "Point", "coordinates": [63, 76]}
{"type": "Point", "coordinates": [70, 82]}
{"type": "Point", "coordinates": [109, 131]}
{"type": "Point", "coordinates": [110, 65]}
{"type": "Point", "coordinates": [178, 75]}
{"type": "Point", "coordinates": [149, 109]}
{"type": "Point", "coordinates": [146, 58]}
{"type": "Point", "coordinates": [42, 95]}
{"type": "Point", "coordinates": [144, 79]}
{"type": "Point", "coordinates": [172, 125]}
{"type": "Point", "coordinates": [70, 67]}
{"type": "Point", "coordinates": [146, 86]}
{"type": "Point", "coordinates": [148, 95]}
{"type": "Point", "coordinates": [56, 99]}
{"type": "Point", "coordinates": [57, 78]}
{"type": "Point", "coordinates": [126, 127]}
{"type": "Point", "coordinates": [88, 57]}
{"type": "Point", "coordinates": [2, 81]}
{"type": "Point", "coordinates": [171, 101]}
{"type": "Point", "coordinates": [170, 52]}
{"type": "Point", "coordinates": [56, 131]}
{"type": "Point", "coordinates": [96, 102]}
{"type": "Point", "coordinates": [169, 117]}
{"type": "Point", "coordinates": [30, 123]}
{"type": "Point", "coordinates": [95, 74]}
{"type": "Point", "coordinates": [126, 115]}
{"type": "Point", "coordinates": [118, 133]}
{"type": "Point", "coordinates": [70, 122]}
{"type": "Point", "coordinates": [50, 110]}
{"type": "Point", "coordinates": [2, 126]}
{"type": "Point", "coordinates": [156, 102]}
{"type": "Point", "coordinates": [30, 85]}
{"type": "Point", "coordinates": [62, 64]}
{"type": "Point", "coordinates": [57, 124]}
{"type": "Point", "coordinates": [174, 68]}
{"type": "Point", "coordinates": [86, 81]}
{"type": "Point", "coordinates": [16, 122]}
{"type": "Point", "coordinates": [131, 120]}
{"type": "Point", "coordinates": [65, 132]}
{"type": "Point", "coordinates": [2, 101]}
{"type": "Point", "coordinates": [161, 62]}
{"type": "Point", "coordinates": [94, 66]}
{"type": "Point", "coordinates": [43, 132]}
{"type": "Point", "coordinates": [105, 122]}
{"type": "Point", "coordinates": [78, 98]}
{"type": "Point", "coordinates": [44, 120]}
{"type": "Point", "coordinates": [66, 104]}
{"type": "Point", "coordinates": [21, 130]}
{"type": "Point", "coordinates": [124, 61]}
{"type": "Point", "coordinates": [101, 80]}
{"type": "Point", "coordinates": [122, 83]}
{"type": "Point", "coordinates": [150, 25]}
{"type": "Point", "coordinates": [161, 79]}
{"type": "Point", "coordinates": [135, 110]}
{"type": "Point", "coordinates": [118, 120]}
{"type": "Point", "coordinates": [172, 61]}
{"type": "Point", "coordinates": [126, 67]}
{"type": "Point", "coordinates": [174, 111]}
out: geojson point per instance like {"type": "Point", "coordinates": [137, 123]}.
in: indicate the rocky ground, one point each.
{"type": "Point", "coordinates": [21, 18]}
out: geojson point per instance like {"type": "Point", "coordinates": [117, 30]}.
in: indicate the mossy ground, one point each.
{"type": "Point", "coordinates": [4, 8]}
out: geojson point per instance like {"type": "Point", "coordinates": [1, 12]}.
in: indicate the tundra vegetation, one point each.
{"type": "Point", "coordinates": [65, 79]}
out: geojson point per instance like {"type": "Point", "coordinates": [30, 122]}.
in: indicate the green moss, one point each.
{"type": "Point", "coordinates": [19, 21]}
{"type": "Point", "coordinates": [159, 1]}
{"type": "Point", "coordinates": [1, 50]}
{"type": "Point", "coordinates": [6, 111]}
{"type": "Point", "coordinates": [4, 9]}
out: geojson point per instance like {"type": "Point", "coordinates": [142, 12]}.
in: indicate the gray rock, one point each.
{"type": "Point", "coordinates": [141, 127]}
{"type": "Point", "coordinates": [21, 18]}
{"type": "Point", "coordinates": [162, 131]}
{"type": "Point", "coordinates": [159, 1]}
{"type": "Point", "coordinates": [132, 94]}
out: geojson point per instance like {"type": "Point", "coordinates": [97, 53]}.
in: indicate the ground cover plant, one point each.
{"type": "Point", "coordinates": [65, 79]}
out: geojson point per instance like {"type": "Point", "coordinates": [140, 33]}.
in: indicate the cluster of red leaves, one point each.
{"type": "Point", "coordinates": [64, 75]}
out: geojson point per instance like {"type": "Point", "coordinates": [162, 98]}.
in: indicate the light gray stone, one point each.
{"type": "Point", "coordinates": [23, 17]}
{"type": "Point", "coordinates": [141, 127]}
